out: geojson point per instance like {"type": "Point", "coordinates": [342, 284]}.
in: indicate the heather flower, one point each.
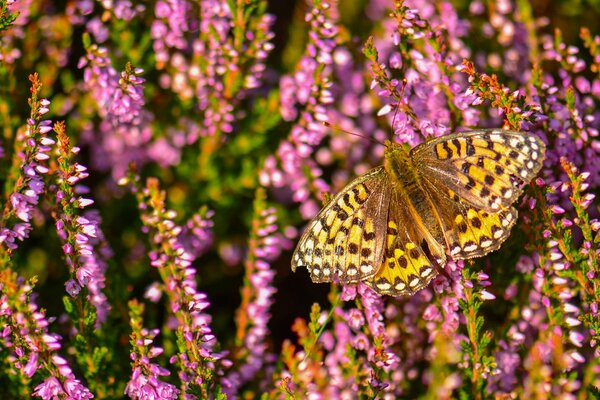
{"type": "Point", "coordinates": [254, 312]}
{"type": "Point", "coordinates": [15, 15]}
{"type": "Point", "coordinates": [169, 29]}
{"type": "Point", "coordinates": [197, 357]}
{"type": "Point", "coordinates": [239, 107]}
{"type": "Point", "coordinates": [124, 9]}
{"type": "Point", "coordinates": [197, 236]}
{"type": "Point", "coordinates": [227, 61]}
{"type": "Point", "coordinates": [33, 146]}
{"type": "Point", "coordinates": [30, 346]}
{"type": "Point", "coordinates": [146, 380]}
{"type": "Point", "coordinates": [124, 133]}
{"type": "Point", "coordinates": [421, 105]}
{"type": "Point", "coordinates": [307, 89]}
{"type": "Point", "coordinates": [85, 247]}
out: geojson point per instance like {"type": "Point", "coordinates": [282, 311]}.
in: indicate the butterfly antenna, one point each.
{"type": "Point", "coordinates": [398, 105]}
{"type": "Point", "coordinates": [339, 128]}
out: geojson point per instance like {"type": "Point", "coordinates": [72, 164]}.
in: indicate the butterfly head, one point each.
{"type": "Point", "coordinates": [397, 159]}
{"type": "Point", "coordinates": [396, 150]}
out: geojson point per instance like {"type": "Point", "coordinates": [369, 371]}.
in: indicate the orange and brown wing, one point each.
{"type": "Point", "coordinates": [485, 169]}
{"type": "Point", "coordinates": [346, 238]}
{"type": "Point", "coordinates": [412, 256]}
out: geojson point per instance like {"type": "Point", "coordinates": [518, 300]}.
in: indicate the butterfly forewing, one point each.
{"type": "Point", "coordinates": [346, 237]}
{"type": "Point", "coordinates": [486, 168]}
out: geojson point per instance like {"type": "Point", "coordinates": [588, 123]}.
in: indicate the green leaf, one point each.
{"type": "Point", "coordinates": [570, 98]}
{"type": "Point", "coordinates": [87, 40]}
{"type": "Point", "coordinates": [68, 303]}
{"type": "Point", "coordinates": [6, 17]}
{"type": "Point", "coordinates": [593, 391]}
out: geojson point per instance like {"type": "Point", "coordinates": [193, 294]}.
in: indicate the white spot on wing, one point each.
{"type": "Point", "coordinates": [470, 248]}
{"type": "Point", "coordinates": [365, 268]}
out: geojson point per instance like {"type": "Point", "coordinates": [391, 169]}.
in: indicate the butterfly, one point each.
{"type": "Point", "coordinates": [448, 198]}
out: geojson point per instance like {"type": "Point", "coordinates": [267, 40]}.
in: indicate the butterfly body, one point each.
{"type": "Point", "coordinates": [448, 198]}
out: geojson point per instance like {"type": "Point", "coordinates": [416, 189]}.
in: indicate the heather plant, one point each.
{"type": "Point", "coordinates": [159, 161]}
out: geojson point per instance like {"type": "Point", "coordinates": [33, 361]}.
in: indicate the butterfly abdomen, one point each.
{"type": "Point", "coordinates": [407, 183]}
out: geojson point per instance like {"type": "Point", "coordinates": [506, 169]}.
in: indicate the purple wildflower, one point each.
{"type": "Point", "coordinates": [124, 132]}
{"type": "Point", "coordinates": [31, 347]}
{"type": "Point", "coordinates": [170, 27]}
{"type": "Point", "coordinates": [198, 359]}
{"type": "Point", "coordinates": [308, 90]}
{"type": "Point", "coordinates": [84, 245]}
{"type": "Point", "coordinates": [145, 382]}
{"type": "Point", "coordinates": [9, 48]}
{"type": "Point", "coordinates": [33, 148]}
{"type": "Point", "coordinates": [124, 9]}
{"type": "Point", "coordinates": [254, 313]}
{"type": "Point", "coordinates": [67, 386]}
{"type": "Point", "coordinates": [197, 236]}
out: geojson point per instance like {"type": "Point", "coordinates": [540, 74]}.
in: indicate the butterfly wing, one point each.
{"type": "Point", "coordinates": [468, 232]}
{"type": "Point", "coordinates": [346, 237]}
{"type": "Point", "coordinates": [485, 169]}
{"type": "Point", "coordinates": [413, 254]}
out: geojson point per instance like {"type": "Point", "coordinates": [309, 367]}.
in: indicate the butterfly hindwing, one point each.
{"type": "Point", "coordinates": [346, 237]}
{"type": "Point", "coordinates": [486, 169]}
{"type": "Point", "coordinates": [469, 232]}
{"type": "Point", "coordinates": [478, 232]}
{"type": "Point", "coordinates": [408, 264]}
